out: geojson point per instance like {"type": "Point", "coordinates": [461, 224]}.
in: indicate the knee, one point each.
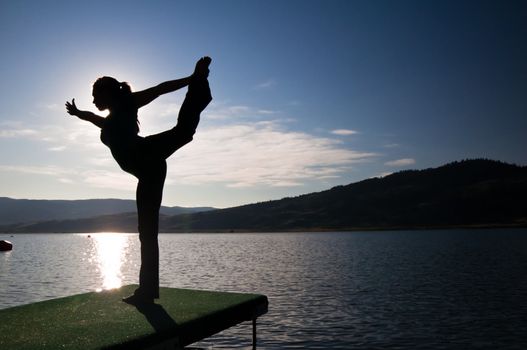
{"type": "Point", "coordinates": [188, 133]}
{"type": "Point", "coordinates": [190, 136]}
{"type": "Point", "coordinates": [148, 224]}
{"type": "Point", "coordinates": [184, 133]}
{"type": "Point", "coordinates": [147, 233]}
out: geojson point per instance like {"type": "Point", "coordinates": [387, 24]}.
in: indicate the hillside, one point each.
{"type": "Point", "coordinates": [13, 211]}
{"type": "Point", "coordinates": [467, 193]}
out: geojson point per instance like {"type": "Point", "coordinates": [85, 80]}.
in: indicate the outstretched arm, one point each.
{"type": "Point", "coordinates": [84, 115]}
{"type": "Point", "coordinates": [144, 97]}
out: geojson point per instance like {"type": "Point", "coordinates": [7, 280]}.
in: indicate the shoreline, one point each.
{"type": "Point", "coordinates": [304, 230]}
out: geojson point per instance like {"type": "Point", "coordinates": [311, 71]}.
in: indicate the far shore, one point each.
{"type": "Point", "coordinates": [306, 230]}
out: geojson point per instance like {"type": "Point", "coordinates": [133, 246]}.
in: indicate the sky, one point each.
{"type": "Point", "coordinates": [308, 95]}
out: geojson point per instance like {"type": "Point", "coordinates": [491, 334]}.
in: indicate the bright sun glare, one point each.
{"type": "Point", "coordinates": [110, 255]}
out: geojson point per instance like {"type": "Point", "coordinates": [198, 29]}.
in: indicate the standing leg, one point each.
{"type": "Point", "coordinates": [148, 197]}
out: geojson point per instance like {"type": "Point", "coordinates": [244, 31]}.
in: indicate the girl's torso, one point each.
{"type": "Point", "coordinates": [120, 134]}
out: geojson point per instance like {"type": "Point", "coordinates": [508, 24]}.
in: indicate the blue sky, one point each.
{"type": "Point", "coordinates": [307, 94]}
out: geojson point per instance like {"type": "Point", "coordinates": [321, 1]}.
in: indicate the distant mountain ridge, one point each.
{"type": "Point", "coordinates": [469, 193]}
{"type": "Point", "coordinates": [14, 211]}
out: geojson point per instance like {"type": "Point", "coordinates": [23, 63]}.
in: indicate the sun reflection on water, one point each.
{"type": "Point", "coordinates": [110, 256]}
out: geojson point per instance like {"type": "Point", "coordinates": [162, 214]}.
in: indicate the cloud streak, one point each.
{"type": "Point", "coordinates": [58, 137]}
{"type": "Point", "coordinates": [266, 84]}
{"type": "Point", "coordinates": [115, 180]}
{"type": "Point", "coordinates": [244, 150]}
{"type": "Point", "coordinates": [14, 133]}
{"type": "Point", "coordinates": [400, 162]}
{"type": "Point", "coordinates": [261, 154]}
{"type": "Point", "coordinates": [48, 170]}
{"type": "Point", "coordinates": [344, 132]}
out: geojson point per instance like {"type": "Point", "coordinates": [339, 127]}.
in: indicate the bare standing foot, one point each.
{"type": "Point", "coordinates": [137, 299]}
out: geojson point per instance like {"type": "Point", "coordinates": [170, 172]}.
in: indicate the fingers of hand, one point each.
{"type": "Point", "coordinates": [70, 108]}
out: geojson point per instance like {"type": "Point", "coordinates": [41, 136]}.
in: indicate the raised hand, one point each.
{"type": "Point", "coordinates": [84, 115]}
{"type": "Point", "coordinates": [72, 109]}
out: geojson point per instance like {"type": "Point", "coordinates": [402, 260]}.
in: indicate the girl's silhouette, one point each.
{"type": "Point", "coordinates": [145, 157]}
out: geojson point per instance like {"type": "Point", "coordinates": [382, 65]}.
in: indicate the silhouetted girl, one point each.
{"type": "Point", "coordinates": [145, 157]}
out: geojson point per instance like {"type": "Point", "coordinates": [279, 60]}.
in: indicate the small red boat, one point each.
{"type": "Point", "coordinates": [5, 246]}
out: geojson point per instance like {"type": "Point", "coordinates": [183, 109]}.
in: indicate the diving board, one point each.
{"type": "Point", "coordinates": [100, 320]}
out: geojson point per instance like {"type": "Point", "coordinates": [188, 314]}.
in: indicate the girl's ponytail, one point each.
{"type": "Point", "coordinates": [125, 89]}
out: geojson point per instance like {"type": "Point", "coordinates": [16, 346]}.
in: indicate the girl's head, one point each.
{"type": "Point", "coordinates": [108, 93]}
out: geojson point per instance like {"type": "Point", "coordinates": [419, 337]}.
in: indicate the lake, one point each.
{"type": "Point", "coordinates": [447, 289]}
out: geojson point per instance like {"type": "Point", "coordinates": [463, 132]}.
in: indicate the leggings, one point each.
{"type": "Point", "coordinates": [150, 169]}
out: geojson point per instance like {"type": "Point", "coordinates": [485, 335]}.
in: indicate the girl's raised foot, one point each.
{"type": "Point", "coordinates": [202, 67]}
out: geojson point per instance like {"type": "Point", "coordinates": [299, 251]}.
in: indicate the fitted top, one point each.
{"type": "Point", "coordinates": [120, 133]}
{"type": "Point", "coordinates": [118, 128]}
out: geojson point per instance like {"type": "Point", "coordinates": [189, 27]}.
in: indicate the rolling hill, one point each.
{"type": "Point", "coordinates": [13, 211]}
{"type": "Point", "coordinates": [470, 193]}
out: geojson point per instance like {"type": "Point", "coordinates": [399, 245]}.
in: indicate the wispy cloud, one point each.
{"type": "Point", "coordinates": [57, 136]}
{"type": "Point", "coordinates": [116, 180]}
{"type": "Point", "coordinates": [344, 132]}
{"type": "Point", "coordinates": [266, 111]}
{"type": "Point", "coordinates": [246, 149]}
{"type": "Point", "coordinates": [49, 170]}
{"type": "Point", "coordinates": [400, 162]}
{"type": "Point", "coordinates": [222, 112]}
{"type": "Point", "coordinates": [261, 154]}
{"type": "Point", "coordinates": [14, 133]}
{"type": "Point", "coordinates": [57, 148]}
{"type": "Point", "coordinates": [219, 111]}
{"type": "Point", "coordinates": [170, 109]}
{"type": "Point", "coordinates": [266, 84]}
{"type": "Point", "coordinates": [246, 154]}
{"type": "Point", "coordinates": [54, 107]}
{"type": "Point", "coordinates": [112, 179]}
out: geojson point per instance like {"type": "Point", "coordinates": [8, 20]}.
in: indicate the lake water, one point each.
{"type": "Point", "coordinates": [463, 289]}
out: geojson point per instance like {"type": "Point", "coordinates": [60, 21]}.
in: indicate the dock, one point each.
{"type": "Point", "coordinates": [100, 320]}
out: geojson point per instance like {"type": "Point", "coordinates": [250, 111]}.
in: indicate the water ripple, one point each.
{"type": "Point", "coordinates": [362, 290]}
